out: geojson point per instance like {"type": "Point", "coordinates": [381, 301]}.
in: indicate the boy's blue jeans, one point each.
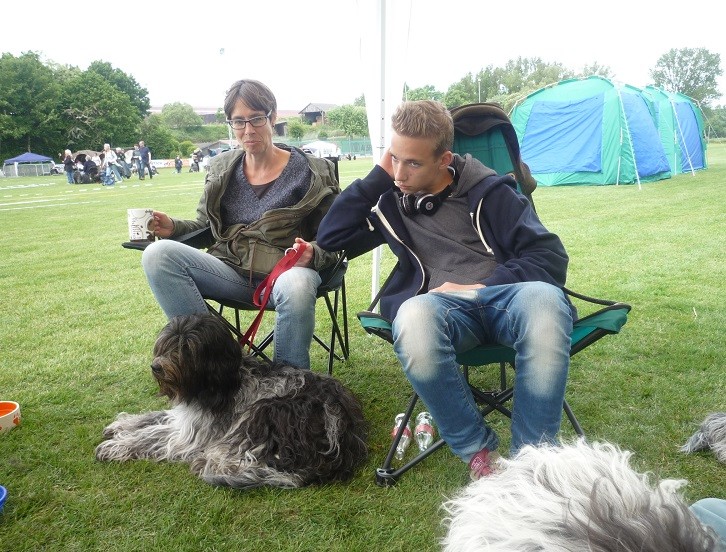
{"type": "Point", "coordinates": [181, 276]}
{"type": "Point", "coordinates": [534, 318]}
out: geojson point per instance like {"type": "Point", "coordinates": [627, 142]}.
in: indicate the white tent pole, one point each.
{"type": "Point", "coordinates": [376, 260]}
{"type": "Point", "coordinates": [630, 139]}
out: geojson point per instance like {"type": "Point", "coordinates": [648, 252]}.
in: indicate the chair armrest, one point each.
{"type": "Point", "coordinates": [375, 324]}
{"type": "Point", "coordinates": [199, 239]}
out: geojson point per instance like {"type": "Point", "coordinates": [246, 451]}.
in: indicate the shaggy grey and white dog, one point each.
{"type": "Point", "coordinates": [710, 435]}
{"type": "Point", "coordinates": [237, 420]}
{"type": "Point", "coordinates": [572, 498]}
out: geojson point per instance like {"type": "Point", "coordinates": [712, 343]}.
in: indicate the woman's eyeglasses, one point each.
{"type": "Point", "coordinates": [257, 122]}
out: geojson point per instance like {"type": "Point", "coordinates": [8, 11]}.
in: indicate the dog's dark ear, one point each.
{"type": "Point", "coordinates": [221, 356]}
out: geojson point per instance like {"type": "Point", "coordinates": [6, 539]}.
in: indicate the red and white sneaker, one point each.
{"type": "Point", "coordinates": [483, 464]}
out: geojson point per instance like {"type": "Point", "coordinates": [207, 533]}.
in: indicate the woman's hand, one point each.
{"type": "Point", "coordinates": [163, 225]}
{"type": "Point", "coordinates": [306, 258]}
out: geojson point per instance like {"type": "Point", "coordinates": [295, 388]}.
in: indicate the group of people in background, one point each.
{"type": "Point", "coordinates": [109, 166]}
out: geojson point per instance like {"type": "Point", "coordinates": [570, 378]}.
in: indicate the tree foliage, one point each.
{"type": "Point", "coordinates": [426, 92]}
{"type": "Point", "coordinates": [180, 116]}
{"type": "Point", "coordinates": [30, 117]}
{"type": "Point", "coordinates": [160, 140]}
{"type": "Point", "coordinates": [96, 112]}
{"type": "Point", "coordinates": [126, 84]}
{"type": "Point", "coordinates": [690, 71]}
{"type": "Point", "coordinates": [296, 129]}
{"type": "Point", "coordinates": [351, 119]}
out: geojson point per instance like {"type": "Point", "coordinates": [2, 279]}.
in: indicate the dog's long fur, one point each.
{"type": "Point", "coordinates": [710, 435]}
{"type": "Point", "coordinates": [572, 498]}
{"type": "Point", "coordinates": [237, 420]}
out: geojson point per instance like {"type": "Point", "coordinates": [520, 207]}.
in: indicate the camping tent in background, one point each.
{"type": "Point", "coordinates": [680, 123]}
{"type": "Point", "coordinates": [589, 131]}
{"type": "Point", "coordinates": [28, 164]}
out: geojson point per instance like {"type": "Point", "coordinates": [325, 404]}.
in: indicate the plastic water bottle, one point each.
{"type": "Point", "coordinates": [405, 437]}
{"type": "Point", "coordinates": [424, 431]}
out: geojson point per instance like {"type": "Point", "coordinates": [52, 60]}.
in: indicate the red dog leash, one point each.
{"type": "Point", "coordinates": [263, 291]}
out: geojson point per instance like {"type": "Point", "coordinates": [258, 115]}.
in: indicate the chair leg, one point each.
{"type": "Point", "coordinates": [257, 350]}
{"type": "Point", "coordinates": [335, 334]}
{"type": "Point", "coordinates": [573, 420]}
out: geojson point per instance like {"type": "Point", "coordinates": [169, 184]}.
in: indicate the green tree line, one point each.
{"type": "Point", "coordinates": [46, 107]}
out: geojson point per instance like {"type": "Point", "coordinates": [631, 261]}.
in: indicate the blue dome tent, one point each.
{"type": "Point", "coordinates": [589, 131]}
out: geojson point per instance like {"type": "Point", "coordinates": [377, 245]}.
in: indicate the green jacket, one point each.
{"type": "Point", "coordinates": [255, 249]}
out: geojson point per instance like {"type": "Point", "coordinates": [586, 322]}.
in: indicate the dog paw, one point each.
{"type": "Point", "coordinates": [102, 451]}
{"type": "Point", "coordinates": [110, 450]}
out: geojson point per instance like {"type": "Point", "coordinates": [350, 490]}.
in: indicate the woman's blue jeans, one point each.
{"type": "Point", "coordinates": [180, 277]}
{"type": "Point", "coordinates": [108, 177]}
{"type": "Point", "coordinates": [69, 177]}
{"type": "Point", "coordinates": [533, 318]}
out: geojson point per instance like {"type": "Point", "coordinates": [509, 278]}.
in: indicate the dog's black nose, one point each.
{"type": "Point", "coordinates": [155, 368]}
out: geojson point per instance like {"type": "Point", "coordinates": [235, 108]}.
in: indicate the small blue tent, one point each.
{"type": "Point", "coordinates": [28, 164]}
{"type": "Point", "coordinates": [589, 131]}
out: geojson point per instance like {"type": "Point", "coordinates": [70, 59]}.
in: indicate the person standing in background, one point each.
{"type": "Point", "coordinates": [110, 163]}
{"type": "Point", "coordinates": [144, 160]}
{"type": "Point", "coordinates": [136, 160]}
{"type": "Point", "coordinates": [69, 166]}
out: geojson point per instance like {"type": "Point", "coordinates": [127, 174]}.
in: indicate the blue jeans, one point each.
{"type": "Point", "coordinates": [180, 277]}
{"type": "Point", "coordinates": [116, 172]}
{"type": "Point", "coordinates": [69, 176]}
{"type": "Point", "coordinates": [108, 177]}
{"type": "Point", "coordinates": [533, 318]}
{"type": "Point", "coordinates": [712, 512]}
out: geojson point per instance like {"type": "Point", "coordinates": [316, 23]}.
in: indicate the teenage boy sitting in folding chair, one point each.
{"type": "Point", "coordinates": [476, 266]}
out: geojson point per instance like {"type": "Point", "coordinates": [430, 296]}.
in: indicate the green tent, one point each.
{"type": "Point", "coordinates": [680, 123]}
{"type": "Point", "coordinates": [589, 131]}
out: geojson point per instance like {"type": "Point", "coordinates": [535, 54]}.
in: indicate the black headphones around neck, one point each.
{"type": "Point", "coordinates": [425, 204]}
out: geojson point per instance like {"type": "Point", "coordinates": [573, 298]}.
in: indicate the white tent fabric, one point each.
{"type": "Point", "coordinates": [383, 43]}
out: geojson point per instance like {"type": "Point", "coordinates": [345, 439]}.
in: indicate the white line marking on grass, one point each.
{"type": "Point", "coordinates": [46, 206]}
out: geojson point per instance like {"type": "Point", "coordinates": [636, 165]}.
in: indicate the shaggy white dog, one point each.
{"type": "Point", "coordinates": [574, 498]}
{"type": "Point", "coordinates": [710, 435]}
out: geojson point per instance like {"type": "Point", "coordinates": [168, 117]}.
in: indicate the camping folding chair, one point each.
{"type": "Point", "coordinates": [484, 131]}
{"type": "Point", "coordinates": [331, 290]}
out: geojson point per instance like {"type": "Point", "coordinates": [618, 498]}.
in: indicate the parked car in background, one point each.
{"type": "Point", "coordinates": [57, 168]}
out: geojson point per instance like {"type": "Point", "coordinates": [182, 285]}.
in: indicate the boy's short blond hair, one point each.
{"type": "Point", "coordinates": [425, 119]}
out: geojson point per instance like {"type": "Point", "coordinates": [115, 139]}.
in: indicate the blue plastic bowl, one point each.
{"type": "Point", "coordinates": [3, 496]}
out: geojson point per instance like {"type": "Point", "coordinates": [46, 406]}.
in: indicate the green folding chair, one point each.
{"type": "Point", "coordinates": [587, 330]}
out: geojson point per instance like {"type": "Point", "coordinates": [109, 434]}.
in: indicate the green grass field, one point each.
{"type": "Point", "coordinates": [78, 324]}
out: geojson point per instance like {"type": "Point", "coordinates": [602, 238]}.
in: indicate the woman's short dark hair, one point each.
{"type": "Point", "coordinates": [254, 94]}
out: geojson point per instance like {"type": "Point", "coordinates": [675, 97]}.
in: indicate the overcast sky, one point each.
{"type": "Point", "coordinates": [309, 51]}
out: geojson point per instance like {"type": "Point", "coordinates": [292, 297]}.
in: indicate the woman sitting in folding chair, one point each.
{"type": "Point", "coordinates": [475, 266]}
{"type": "Point", "coordinates": [258, 201]}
